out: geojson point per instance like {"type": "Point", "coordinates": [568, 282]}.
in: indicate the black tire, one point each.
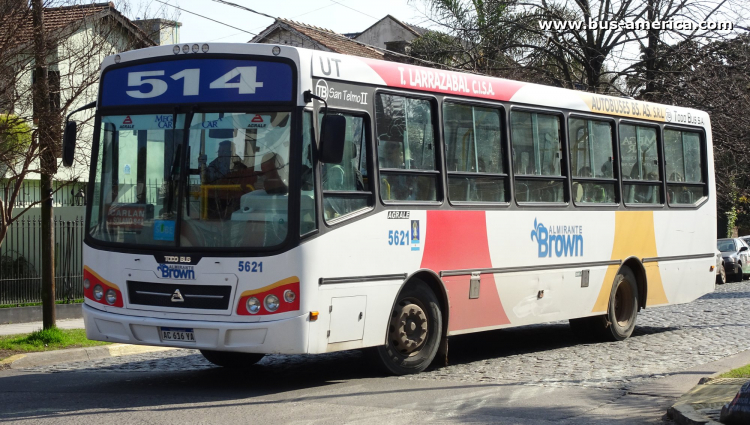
{"type": "Point", "coordinates": [622, 310]}
{"type": "Point", "coordinates": [412, 339]}
{"type": "Point", "coordinates": [623, 307]}
{"type": "Point", "coordinates": [721, 277]}
{"type": "Point", "coordinates": [737, 277]}
{"type": "Point", "coordinates": [232, 360]}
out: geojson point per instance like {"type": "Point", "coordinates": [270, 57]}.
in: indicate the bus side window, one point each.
{"type": "Point", "coordinates": [474, 154]}
{"type": "Point", "coordinates": [639, 162]}
{"type": "Point", "coordinates": [344, 188]}
{"type": "Point", "coordinates": [591, 161]}
{"type": "Point", "coordinates": [406, 148]}
{"type": "Point", "coordinates": [684, 166]}
{"type": "Point", "coordinates": [536, 157]}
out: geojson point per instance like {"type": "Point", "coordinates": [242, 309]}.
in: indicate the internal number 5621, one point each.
{"type": "Point", "coordinates": [251, 266]}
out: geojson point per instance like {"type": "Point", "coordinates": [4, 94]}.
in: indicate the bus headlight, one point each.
{"type": "Point", "coordinates": [271, 302]}
{"type": "Point", "coordinates": [98, 292]}
{"type": "Point", "coordinates": [86, 284]}
{"type": "Point", "coordinates": [289, 296]}
{"type": "Point", "coordinates": [253, 305]}
{"type": "Point", "coordinates": [111, 297]}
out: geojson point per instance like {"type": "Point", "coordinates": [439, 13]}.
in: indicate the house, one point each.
{"type": "Point", "coordinates": [378, 41]}
{"type": "Point", "coordinates": [78, 39]}
{"type": "Point", "coordinates": [296, 34]}
{"type": "Point", "coordinates": [389, 31]}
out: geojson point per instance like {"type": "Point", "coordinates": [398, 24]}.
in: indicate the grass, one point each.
{"type": "Point", "coordinates": [740, 372]}
{"type": "Point", "coordinates": [44, 340]}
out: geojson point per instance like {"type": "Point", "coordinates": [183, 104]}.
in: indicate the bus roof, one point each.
{"type": "Point", "coordinates": [335, 66]}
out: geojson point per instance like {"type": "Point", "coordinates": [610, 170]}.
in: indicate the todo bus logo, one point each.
{"type": "Point", "coordinates": [560, 241]}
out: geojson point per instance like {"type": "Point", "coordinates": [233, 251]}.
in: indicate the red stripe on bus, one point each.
{"type": "Point", "coordinates": [440, 81]}
{"type": "Point", "coordinates": [457, 240]}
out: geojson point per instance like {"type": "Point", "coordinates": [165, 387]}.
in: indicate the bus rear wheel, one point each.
{"type": "Point", "coordinates": [619, 322]}
{"type": "Point", "coordinates": [232, 360]}
{"type": "Point", "coordinates": [623, 307]}
{"type": "Point", "coordinates": [414, 331]}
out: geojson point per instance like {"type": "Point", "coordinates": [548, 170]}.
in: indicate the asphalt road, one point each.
{"type": "Point", "coordinates": [530, 375]}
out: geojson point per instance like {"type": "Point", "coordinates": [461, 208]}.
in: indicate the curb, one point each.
{"type": "Point", "coordinates": [684, 414]}
{"type": "Point", "coordinates": [704, 400]}
{"type": "Point", "coordinates": [48, 358]}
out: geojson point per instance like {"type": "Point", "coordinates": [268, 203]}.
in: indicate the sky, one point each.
{"type": "Point", "coordinates": [342, 16]}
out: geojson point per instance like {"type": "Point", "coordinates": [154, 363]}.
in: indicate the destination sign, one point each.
{"type": "Point", "coordinates": [197, 81]}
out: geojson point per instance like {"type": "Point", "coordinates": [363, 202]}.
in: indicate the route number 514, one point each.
{"type": "Point", "coordinates": [191, 82]}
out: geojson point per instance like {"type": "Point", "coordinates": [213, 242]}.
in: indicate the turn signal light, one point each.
{"type": "Point", "coordinates": [313, 316]}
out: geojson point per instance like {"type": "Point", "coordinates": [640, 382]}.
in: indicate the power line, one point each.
{"type": "Point", "coordinates": [379, 49]}
{"type": "Point", "coordinates": [229, 3]}
{"type": "Point", "coordinates": [376, 48]}
{"type": "Point", "coordinates": [205, 17]}
{"type": "Point", "coordinates": [351, 8]}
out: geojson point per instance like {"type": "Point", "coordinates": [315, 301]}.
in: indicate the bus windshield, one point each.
{"type": "Point", "coordinates": [225, 186]}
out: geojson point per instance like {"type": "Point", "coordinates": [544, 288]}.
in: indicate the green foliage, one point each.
{"type": "Point", "coordinates": [15, 137]}
{"type": "Point", "coordinates": [47, 339]}
{"type": "Point", "coordinates": [740, 372]}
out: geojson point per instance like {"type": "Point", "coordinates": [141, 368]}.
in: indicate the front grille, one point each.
{"type": "Point", "coordinates": [205, 297]}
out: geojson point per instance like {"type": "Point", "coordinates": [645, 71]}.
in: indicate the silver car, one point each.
{"type": "Point", "coordinates": [736, 255]}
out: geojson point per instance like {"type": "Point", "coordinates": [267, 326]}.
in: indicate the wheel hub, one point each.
{"type": "Point", "coordinates": [623, 305]}
{"type": "Point", "coordinates": [408, 327]}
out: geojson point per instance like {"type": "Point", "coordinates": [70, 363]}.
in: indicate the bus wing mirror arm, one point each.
{"type": "Point", "coordinates": [332, 133]}
{"type": "Point", "coordinates": [69, 136]}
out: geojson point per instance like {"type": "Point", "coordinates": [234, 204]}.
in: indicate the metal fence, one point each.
{"type": "Point", "coordinates": [20, 261]}
{"type": "Point", "coordinates": [66, 194]}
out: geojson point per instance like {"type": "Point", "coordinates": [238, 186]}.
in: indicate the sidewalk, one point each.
{"type": "Point", "coordinates": [702, 404]}
{"type": "Point", "coordinates": [69, 355]}
{"type": "Point", "coordinates": [24, 328]}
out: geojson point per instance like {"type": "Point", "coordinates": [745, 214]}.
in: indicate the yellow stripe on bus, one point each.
{"type": "Point", "coordinates": [634, 236]}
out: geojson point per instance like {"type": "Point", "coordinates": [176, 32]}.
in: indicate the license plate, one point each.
{"type": "Point", "coordinates": [177, 334]}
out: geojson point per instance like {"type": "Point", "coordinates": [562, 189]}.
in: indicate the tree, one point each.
{"type": "Point", "coordinates": [715, 77]}
{"type": "Point", "coordinates": [553, 38]}
{"type": "Point", "coordinates": [74, 45]}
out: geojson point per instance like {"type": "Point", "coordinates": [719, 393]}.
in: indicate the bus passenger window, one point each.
{"type": "Point", "coordinates": [344, 190]}
{"type": "Point", "coordinates": [682, 154]}
{"type": "Point", "coordinates": [537, 154]}
{"type": "Point", "coordinates": [474, 154]}
{"type": "Point", "coordinates": [406, 148]}
{"type": "Point", "coordinates": [591, 161]}
{"type": "Point", "coordinates": [639, 162]}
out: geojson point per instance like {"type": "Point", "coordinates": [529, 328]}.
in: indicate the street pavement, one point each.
{"type": "Point", "coordinates": [24, 328]}
{"type": "Point", "coordinates": [534, 374]}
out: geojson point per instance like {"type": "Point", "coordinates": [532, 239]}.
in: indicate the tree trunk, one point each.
{"type": "Point", "coordinates": [46, 134]}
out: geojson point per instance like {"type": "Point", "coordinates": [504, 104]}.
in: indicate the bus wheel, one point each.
{"type": "Point", "coordinates": [414, 331]}
{"type": "Point", "coordinates": [232, 360]}
{"type": "Point", "coordinates": [623, 307]}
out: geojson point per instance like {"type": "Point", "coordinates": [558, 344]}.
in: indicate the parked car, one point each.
{"type": "Point", "coordinates": [721, 274]}
{"type": "Point", "coordinates": [736, 255]}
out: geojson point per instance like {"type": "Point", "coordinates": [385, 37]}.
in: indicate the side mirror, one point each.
{"type": "Point", "coordinates": [332, 137]}
{"type": "Point", "coordinates": [69, 143]}
{"type": "Point", "coordinates": [743, 248]}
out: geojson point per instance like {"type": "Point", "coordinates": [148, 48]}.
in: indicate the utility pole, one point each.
{"type": "Point", "coordinates": [46, 132]}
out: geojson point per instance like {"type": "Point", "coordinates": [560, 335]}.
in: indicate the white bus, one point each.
{"type": "Point", "coordinates": [250, 199]}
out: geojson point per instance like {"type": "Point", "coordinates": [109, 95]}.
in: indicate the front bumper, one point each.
{"type": "Point", "coordinates": [288, 336]}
